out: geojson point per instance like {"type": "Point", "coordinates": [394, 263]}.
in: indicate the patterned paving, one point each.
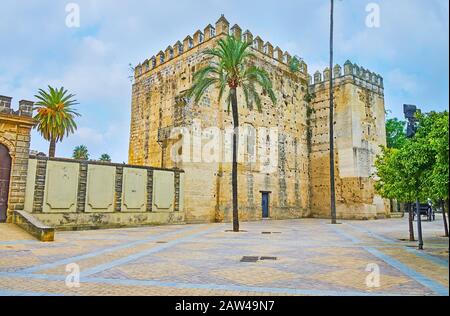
{"type": "Point", "coordinates": [313, 258]}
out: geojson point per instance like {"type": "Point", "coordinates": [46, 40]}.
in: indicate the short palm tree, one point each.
{"type": "Point", "coordinates": [55, 115]}
{"type": "Point", "coordinates": [105, 158]}
{"type": "Point", "coordinates": [229, 69]}
{"type": "Point", "coordinates": [80, 153]}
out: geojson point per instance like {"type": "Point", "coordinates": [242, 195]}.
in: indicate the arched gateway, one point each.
{"type": "Point", "coordinates": [15, 127]}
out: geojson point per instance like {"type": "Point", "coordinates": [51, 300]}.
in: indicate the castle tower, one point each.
{"type": "Point", "coordinates": [299, 185]}
{"type": "Point", "coordinates": [158, 108]}
{"type": "Point", "coordinates": [360, 130]}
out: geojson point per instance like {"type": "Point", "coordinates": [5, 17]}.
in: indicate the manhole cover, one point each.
{"type": "Point", "coordinates": [249, 259]}
{"type": "Point", "coordinates": [161, 242]}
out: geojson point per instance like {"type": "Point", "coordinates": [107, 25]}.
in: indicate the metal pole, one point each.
{"type": "Point", "coordinates": [410, 111]}
{"type": "Point", "coordinates": [332, 180]}
{"type": "Point", "coordinates": [419, 225]}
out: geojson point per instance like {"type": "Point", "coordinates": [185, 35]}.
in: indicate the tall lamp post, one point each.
{"type": "Point", "coordinates": [332, 180]}
{"type": "Point", "coordinates": [410, 115]}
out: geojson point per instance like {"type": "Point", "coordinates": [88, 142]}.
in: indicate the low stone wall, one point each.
{"type": "Point", "coordinates": [70, 194]}
{"type": "Point", "coordinates": [34, 227]}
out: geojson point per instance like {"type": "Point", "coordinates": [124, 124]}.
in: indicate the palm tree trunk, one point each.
{"type": "Point", "coordinates": [445, 218]}
{"type": "Point", "coordinates": [52, 149]}
{"type": "Point", "coordinates": [234, 173]}
{"type": "Point", "coordinates": [332, 179]}
{"type": "Point", "coordinates": [411, 225]}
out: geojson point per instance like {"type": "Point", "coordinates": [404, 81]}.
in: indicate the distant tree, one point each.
{"type": "Point", "coordinates": [105, 158]}
{"type": "Point", "coordinates": [55, 116]}
{"type": "Point", "coordinates": [395, 133]}
{"type": "Point", "coordinates": [294, 64]}
{"type": "Point", "coordinates": [80, 153]}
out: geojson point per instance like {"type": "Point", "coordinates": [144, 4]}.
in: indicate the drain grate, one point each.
{"type": "Point", "coordinates": [270, 233]}
{"type": "Point", "coordinates": [253, 259]}
{"type": "Point", "coordinates": [268, 258]}
{"type": "Point", "coordinates": [161, 242]}
{"type": "Point", "coordinates": [249, 259]}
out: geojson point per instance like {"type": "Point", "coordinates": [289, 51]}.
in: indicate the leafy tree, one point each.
{"type": "Point", "coordinates": [396, 138]}
{"type": "Point", "coordinates": [294, 64]}
{"type": "Point", "coordinates": [418, 170]}
{"type": "Point", "coordinates": [55, 116]}
{"type": "Point", "coordinates": [105, 158]}
{"type": "Point", "coordinates": [396, 133]}
{"type": "Point", "coordinates": [433, 132]}
{"type": "Point", "coordinates": [229, 69]}
{"type": "Point", "coordinates": [80, 153]}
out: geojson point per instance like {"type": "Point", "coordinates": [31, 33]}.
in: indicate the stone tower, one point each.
{"type": "Point", "coordinates": [360, 130]}
{"type": "Point", "coordinates": [159, 108]}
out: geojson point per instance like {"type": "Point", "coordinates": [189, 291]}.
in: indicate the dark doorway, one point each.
{"type": "Point", "coordinates": [265, 205]}
{"type": "Point", "coordinates": [5, 171]}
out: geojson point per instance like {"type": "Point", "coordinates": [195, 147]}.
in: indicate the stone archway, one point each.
{"type": "Point", "coordinates": [5, 175]}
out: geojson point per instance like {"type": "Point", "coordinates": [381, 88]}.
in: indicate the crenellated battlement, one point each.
{"type": "Point", "coordinates": [350, 72]}
{"type": "Point", "coordinates": [25, 107]}
{"type": "Point", "coordinates": [199, 38]}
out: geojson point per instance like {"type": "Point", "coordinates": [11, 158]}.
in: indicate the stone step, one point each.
{"type": "Point", "coordinates": [33, 226]}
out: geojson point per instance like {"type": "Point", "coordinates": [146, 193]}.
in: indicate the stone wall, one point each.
{"type": "Point", "coordinates": [69, 194]}
{"type": "Point", "coordinates": [157, 108]}
{"type": "Point", "coordinates": [299, 186]}
{"type": "Point", "coordinates": [359, 132]}
{"type": "Point", "coordinates": [15, 129]}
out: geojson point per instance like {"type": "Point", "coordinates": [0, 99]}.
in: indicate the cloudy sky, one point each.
{"type": "Point", "coordinates": [409, 49]}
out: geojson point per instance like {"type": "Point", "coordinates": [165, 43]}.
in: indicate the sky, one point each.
{"type": "Point", "coordinates": [409, 48]}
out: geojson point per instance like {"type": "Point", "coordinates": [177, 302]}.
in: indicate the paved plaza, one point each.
{"type": "Point", "coordinates": [296, 257]}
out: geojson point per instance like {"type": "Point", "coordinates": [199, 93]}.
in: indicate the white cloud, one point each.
{"type": "Point", "coordinates": [400, 81]}
{"type": "Point", "coordinates": [89, 134]}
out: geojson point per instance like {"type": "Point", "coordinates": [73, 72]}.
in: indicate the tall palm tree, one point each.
{"type": "Point", "coordinates": [332, 163]}
{"type": "Point", "coordinates": [229, 69]}
{"type": "Point", "coordinates": [55, 116]}
{"type": "Point", "coordinates": [80, 153]}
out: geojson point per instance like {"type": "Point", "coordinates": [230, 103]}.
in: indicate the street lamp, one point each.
{"type": "Point", "coordinates": [410, 115]}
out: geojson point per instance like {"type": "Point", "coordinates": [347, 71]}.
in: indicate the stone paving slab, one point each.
{"type": "Point", "coordinates": [313, 258]}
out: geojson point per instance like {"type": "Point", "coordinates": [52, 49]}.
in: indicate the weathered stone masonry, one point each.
{"type": "Point", "coordinates": [15, 128]}
{"type": "Point", "coordinates": [360, 130]}
{"type": "Point", "coordinates": [70, 194]}
{"type": "Point", "coordinates": [299, 186]}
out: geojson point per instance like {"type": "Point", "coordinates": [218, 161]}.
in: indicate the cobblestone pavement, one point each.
{"type": "Point", "coordinates": [313, 258]}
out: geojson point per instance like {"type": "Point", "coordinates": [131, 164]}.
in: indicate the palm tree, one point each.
{"type": "Point", "coordinates": [230, 68]}
{"type": "Point", "coordinates": [80, 153]}
{"type": "Point", "coordinates": [332, 179]}
{"type": "Point", "coordinates": [105, 158]}
{"type": "Point", "coordinates": [55, 116]}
